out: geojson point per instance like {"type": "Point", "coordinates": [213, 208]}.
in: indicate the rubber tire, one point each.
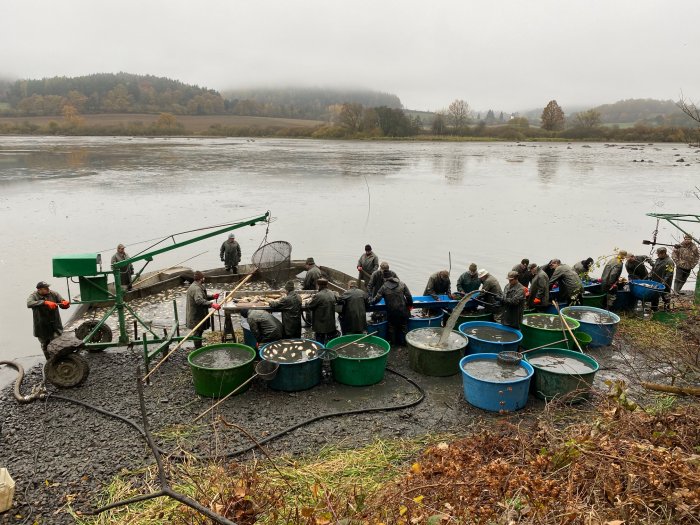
{"type": "Point", "coordinates": [103, 335]}
{"type": "Point", "coordinates": [67, 371]}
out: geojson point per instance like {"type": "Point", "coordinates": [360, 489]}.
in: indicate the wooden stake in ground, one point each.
{"type": "Point", "coordinates": [228, 297]}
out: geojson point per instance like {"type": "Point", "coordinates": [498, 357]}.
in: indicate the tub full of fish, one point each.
{"type": "Point", "coordinates": [492, 385]}
{"type": "Point", "coordinates": [299, 363]}
{"type": "Point", "coordinates": [426, 356]}
{"type": "Point", "coordinates": [219, 369]}
{"type": "Point", "coordinates": [562, 373]}
{"type": "Point", "coordinates": [645, 290]}
{"type": "Point", "coordinates": [599, 324]}
{"type": "Point", "coordinates": [358, 360]}
{"type": "Point", "coordinates": [546, 329]}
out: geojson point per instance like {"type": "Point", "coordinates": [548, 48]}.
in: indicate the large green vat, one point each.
{"type": "Point", "coordinates": [357, 371]}
{"type": "Point", "coordinates": [596, 300]}
{"type": "Point", "coordinates": [433, 361]}
{"type": "Point", "coordinates": [548, 384]}
{"type": "Point", "coordinates": [218, 382]}
{"type": "Point", "coordinates": [534, 337]}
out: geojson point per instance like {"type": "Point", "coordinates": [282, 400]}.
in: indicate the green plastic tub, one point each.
{"type": "Point", "coordinates": [534, 337]}
{"type": "Point", "coordinates": [583, 339]}
{"type": "Point", "coordinates": [355, 371]}
{"type": "Point", "coordinates": [218, 382]}
{"type": "Point", "coordinates": [432, 361]}
{"type": "Point", "coordinates": [596, 300]}
{"type": "Point", "coordinates": [548, 384]}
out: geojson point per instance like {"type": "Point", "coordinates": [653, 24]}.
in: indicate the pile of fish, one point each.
{"type": "Point", "coordinates": [360, 350]}
{"type": "Point", "coordinates": [291, 351]}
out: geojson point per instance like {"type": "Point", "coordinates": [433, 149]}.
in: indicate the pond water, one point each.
{"type": "Point", "coordinates": [494, 371]}
{"type": "Point", "coordinates": [560, 364]}
{"type": "Point", "coordinates": [222, 358]}
{"type": "Point", "coordinates": [492, 333]}
{"type": "Point", "coordinates": [420, 205]}
{"type": "Point", "coordinates": [543, 321]}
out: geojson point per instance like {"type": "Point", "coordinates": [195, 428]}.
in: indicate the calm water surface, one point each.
{"type": "Point", "coordinates": [418, 204]}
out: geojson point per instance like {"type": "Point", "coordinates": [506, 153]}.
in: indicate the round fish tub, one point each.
{"type": "Point", "coordinates": [295, 376]}
{"type": "Point", "coordinates": [358, 371]}
{"type": "Point", "coordinates": [424, 322]}
{"type": "Point", "coordinates": [623, 301]}
{"type": "Point", "coordinates": [645, 290]}
{"type": "Point", "coordinates": [479, 315]}
{"type": "Point", "coordinates": [551, 309]}
{"type": "Point", "coordinates": [483, 346]}
{"type": "Point", "coordinates": [504, 395]}
{"type": "Point", "coordinates": [594, 287]}
{"type": "Point", "coordinates": [600, 324]}
{"type": "Point", "coordinates": [426, 359]}
{"type": "Point", "coordinates": [556, 381]}
{"type": "Point", "coordinates": [212, 381]}
{"type": "Point", "coordinates": [378, 328]}
{"type": "Point", "coordinates": [534, 336]}
{"type": "Point", "coordinates": [595, 300]}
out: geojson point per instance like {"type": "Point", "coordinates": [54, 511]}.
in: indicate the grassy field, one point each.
{"type": "Point", "coordinates": [196, 124]}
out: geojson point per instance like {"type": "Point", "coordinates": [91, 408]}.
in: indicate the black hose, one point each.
{"type": "Point", "coordinates": [18, 382]}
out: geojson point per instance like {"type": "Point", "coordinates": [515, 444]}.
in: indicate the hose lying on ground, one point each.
{"type": "Point", "coordinates": [38, 392]}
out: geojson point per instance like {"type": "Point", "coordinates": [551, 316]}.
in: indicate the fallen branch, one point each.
{"type": "Point", "coordinates": [683, 390]}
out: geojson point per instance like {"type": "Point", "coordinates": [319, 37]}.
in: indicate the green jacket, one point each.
{"type": "Point", "coordinates": [313, 274]}
{"type": "Point", "coordinates": [198, 303]}
{"type": "Point", "coordinates": [353, 317]}
{"type": "Point", "coordinates": [438, 286]}
{"type": "Point", "coordinates": [47, 323]}
{"type": "Point", "coordinates": [662, 271]}
{"type": "Point", "coordinates": [468, 282]}
{"type": "Point", "coordinates": [513, 305]}
{"type": "Point", "coordinates": [611, 273]}
{"type": "Point", "coordinates": [323, 307]}
{"type": "Point", "coordinates": [290, 306]}
{"type": "Point", "coordinates": [570, 284]}
{"type": "Point", "coordinates": [539, 289]}
{"type": "Point", "coordinates": [264, 326]}
{"type": "Point", "coordinates": [230, 253]}
{"type": "Point", "coordinates": [369, 262]}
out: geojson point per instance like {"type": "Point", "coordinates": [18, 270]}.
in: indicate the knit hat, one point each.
{"type": "Point", "coordinates": [289, 286]}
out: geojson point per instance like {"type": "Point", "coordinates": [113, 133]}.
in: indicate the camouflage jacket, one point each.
{"type": "Point", "coordinates": [686, 256]}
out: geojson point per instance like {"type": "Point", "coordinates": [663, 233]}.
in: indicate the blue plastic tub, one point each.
{"type": "Point", "coordinates": [294, 377]}
{"type": "Point", "coordinates": [378, 328]}
{"type": "Point", "coordinates": [623, 301]}
{"type": "Point", "coordinates": [424, 322]}
{"type": "Point", "coordinates": [601, 333]}
{"type": "Point", "coordinates": [477, 346]}
{"type": "Point", "coordinates": [551, 309]}
{"type": "Point", "coordinates": [644, 289]}
{"type": "Point", "coordinates": [249, 338]}
{"type": "Point", "coordinates": [593, 287]}
{"type": "Point", "coordinates": [500, 396]}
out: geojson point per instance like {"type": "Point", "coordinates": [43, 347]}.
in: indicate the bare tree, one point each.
{"type": "Point", "coordinates": [459, 113]}
{"type": "Point", "coordinates": [690, 108]}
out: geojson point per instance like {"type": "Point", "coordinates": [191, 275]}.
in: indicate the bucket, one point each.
{"type": "Point", "coordinates": [548, 383]}
{"type": "Point", "coordinates": [481, 346]}
{"type": "Point", "coordinates": [496, 396]}
{"type": "Point", "coordinates": [7, 490]}
{"type": "Point", "coordinates": [534, 336]}
{"type": "Point", "coordinates": [249, 338]}
{"type": "Point", "coordinates": [293, 377]}
{"type": "Point", "coordinates": [623, 301]}
{"type": "Point", "coordinates": [218, 382]}
{"type": "Point", "coordinates": [595, 300]}
{"type": "Point", "coordinates": [355, 371]}
{"type": "Point", "coordinates": [583, 340]}
{"type": "Point", "coordinates": [430, 361]}
{"type": "Point", "coordinates": [424, 322]}
{"type": "Point", "coordinates": [378, 328]}
{"type": "Point", "coordinates": [602, 330]}
{"type": "Point", "coordinates": [645, 290]}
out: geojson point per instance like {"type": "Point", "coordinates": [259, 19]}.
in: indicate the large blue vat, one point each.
{"type": "Point", "coordinates": [477, 346]}
{"type": "Point", "coordinates": [623, 301]}
{"type": "Point", "coordinates": [496, 396]}
{"type": "Point", "coordinates": [424, 322]}
{"type": "Point", "coordinates": [601, 333]}
{"type": "Point", "coordinates": [249, 338]}
{"type": "Point", "coordinates": [378, 328]}
{"type": "Point", "coordinates": [644, 289]}
{"type": "Point", "coordinates": [296, 376]}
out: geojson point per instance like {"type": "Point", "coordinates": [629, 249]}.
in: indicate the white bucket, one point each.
{"type": "Point", "coordinates": [7, 490]}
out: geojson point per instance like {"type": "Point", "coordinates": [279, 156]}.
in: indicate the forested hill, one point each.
{"type": "Point", "coordinates": [308, 103]}
{"type": "Point", "coordinates": [636, 110]}
{"type": "Point", "coordinates": [109, 93]}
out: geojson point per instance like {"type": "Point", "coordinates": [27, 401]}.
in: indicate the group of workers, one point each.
{"type": "Point", "coordinates": [528, 286]}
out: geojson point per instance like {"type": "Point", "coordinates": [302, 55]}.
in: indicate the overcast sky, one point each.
{"type": "Point", "coordinates": [502, 54]}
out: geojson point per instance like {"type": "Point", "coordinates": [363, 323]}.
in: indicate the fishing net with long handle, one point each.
{"type": "Point", "coordinates": [271, 260]}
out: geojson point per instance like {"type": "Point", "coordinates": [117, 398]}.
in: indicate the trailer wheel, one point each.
{"type": "Point", "coordinates": [103, 335]}
{"type": "Point", "coordinates": [66, 371]}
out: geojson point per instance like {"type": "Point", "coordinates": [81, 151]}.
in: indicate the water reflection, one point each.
{"type": "Point", "coordinates": [547, 167]}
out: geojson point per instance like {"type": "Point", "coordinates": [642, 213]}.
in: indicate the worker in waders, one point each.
{"type": "Point", "coordinates": [513, 301]}
{"type": "Point", "coordinates": [230, 253]}
{"type": "Point", "coordinates": [367, 265]}
{"type": "Point", "coordinates": [353, 316]}
{"type": "Point", "coordinates": [377, 279]}
{"type": "Point", "coordinates": [198, 304]}
{"type": "Point", "coordinates": [611, 275]}
{"type": "Point", "coordinates": [583, 268]}
{"type": "Point", "coordinates": [469, 280]}
{"type": "Point", "coordinates": [538, 297]}
{"type": "Point", "coordinates": [398, 301]}
{"type": "Point", "coordinates": [491, 293]}
{"type": "Point", "coordinates": [570, 285]}
{"type": "Point", "coordinates": [323, 308]}
{"type": "Point", "coordinates": [313, 274]}
{"type": "Point", "coordinates": [662, 272]}
{"type": "Point", "coordinates": [264, 326]}
{"type": "Point", "coordinates": [635, 267]}
{"type": "Point", "coordinates": [290, 306]}
{"type": "Point", "coordinates": [125, 272]}
{"type": "Point", "coordinates": [45, 303]}
{"type": "Point", "coordinates": [523, 272]}
{"type": "Point", "coordinates": [686, 257]}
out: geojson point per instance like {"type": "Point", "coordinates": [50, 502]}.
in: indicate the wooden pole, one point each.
{"type": "Point", "coordinates": [685, 390]}
{"type": "Point", "coordinates": [567, 326]}
{"type": "Point", "coordinates": [228, 297]}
